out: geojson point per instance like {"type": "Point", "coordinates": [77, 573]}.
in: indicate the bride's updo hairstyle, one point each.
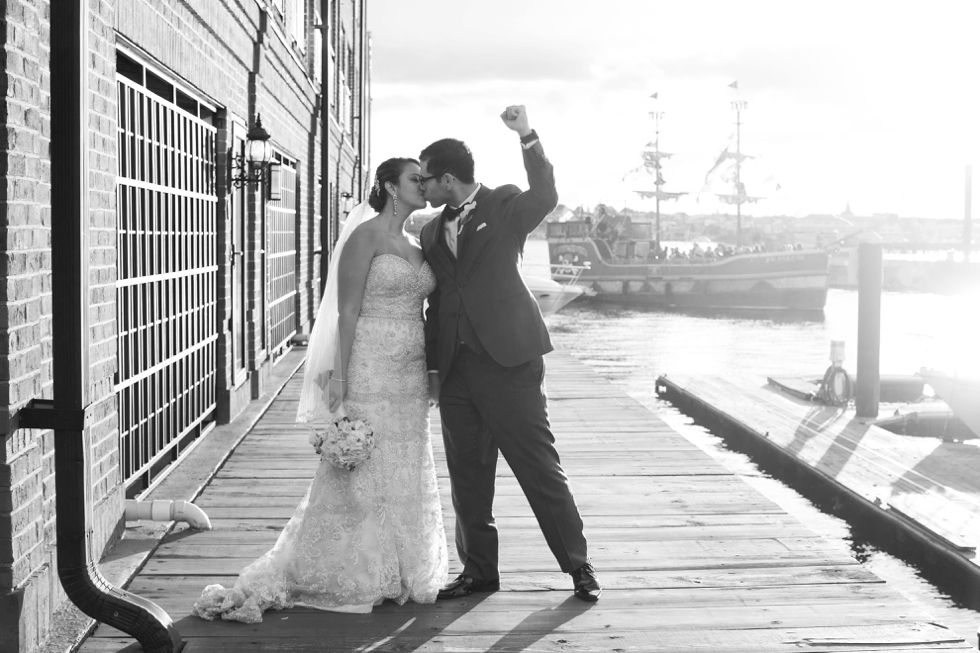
{"type": "Point", "coordinates": [390, 170]}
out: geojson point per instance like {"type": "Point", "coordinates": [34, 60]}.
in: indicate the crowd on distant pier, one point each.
{"type": "Point", "coordinates": [707, 252]}
{"type": "Point", "coordinates": [698, 252]}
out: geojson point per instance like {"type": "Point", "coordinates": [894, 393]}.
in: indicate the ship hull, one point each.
{"type": "Point", "coordinates": [792, 280]}
{"type": "Point", "coordinates": [961, 394]}
{"type": "Point", "coordinates": [795, 299]}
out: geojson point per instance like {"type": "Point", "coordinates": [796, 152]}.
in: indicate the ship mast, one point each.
{"type": "Point", "coordinates": [657, 115]}
{"type": "Point", "coordinates": [738, 196]}
{"type": "Point", "coordinates": [651, 161]}
{"type": "Point", "coordinates": [738, 106]}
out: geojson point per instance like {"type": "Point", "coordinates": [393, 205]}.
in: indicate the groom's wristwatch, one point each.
{"type": "Point", "coordinates": [528, 141]}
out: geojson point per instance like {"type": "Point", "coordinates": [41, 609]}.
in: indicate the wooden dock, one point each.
{"type": "Point", "coordinates": [927, 488]}
{"type": "Point", "coordinates": [692, 558]}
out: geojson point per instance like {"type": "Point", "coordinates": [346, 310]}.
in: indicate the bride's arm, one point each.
{"type": "Point", "coordinates": [352, 270]}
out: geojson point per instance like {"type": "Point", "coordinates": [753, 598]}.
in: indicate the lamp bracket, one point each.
{"type": "Point", "coordinates": [242, 178]}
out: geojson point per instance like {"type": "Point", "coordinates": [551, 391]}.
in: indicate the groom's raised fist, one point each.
{"type": "Point", "coordinates": [515, 117]}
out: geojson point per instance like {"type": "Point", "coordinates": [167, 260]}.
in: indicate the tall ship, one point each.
{"type": "Point", "coordinates": [622, 259]}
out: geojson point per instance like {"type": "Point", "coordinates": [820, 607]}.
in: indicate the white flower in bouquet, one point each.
{"type": "Point", "coordinates": [345, 442]}
{"type": "Point", "coordinates": [316, 439]}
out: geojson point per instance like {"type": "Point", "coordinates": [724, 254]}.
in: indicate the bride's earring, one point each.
{"type": "Point", "coordinates": [394, 205]}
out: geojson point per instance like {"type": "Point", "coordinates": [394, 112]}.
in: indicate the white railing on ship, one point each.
{"type": "Point", "coordinates": [567, 274]}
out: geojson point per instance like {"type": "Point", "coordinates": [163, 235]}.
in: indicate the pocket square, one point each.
{"type": "Point", "coordinates": [482, 225]}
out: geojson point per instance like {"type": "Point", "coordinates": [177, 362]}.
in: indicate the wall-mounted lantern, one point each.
{"type": "Point", "coordinates": [258, 153]}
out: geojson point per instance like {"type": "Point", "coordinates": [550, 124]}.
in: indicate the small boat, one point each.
{"type": "Point", "coordinates": [554, 294]}
{"type": "Point", "coordinates": [961, 394]}
{"type": "Point", "coordinates": [551, 295]}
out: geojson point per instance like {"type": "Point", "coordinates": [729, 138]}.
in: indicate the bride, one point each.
{"type": "Point", "coordinates": [375, 533]}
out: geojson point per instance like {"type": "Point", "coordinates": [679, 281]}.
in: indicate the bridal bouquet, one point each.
{"type": "Point", "coordinates": [345, 442]}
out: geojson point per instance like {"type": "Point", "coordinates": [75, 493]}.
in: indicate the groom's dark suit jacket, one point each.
{"type": "Point", "coordinates": [483, 288]}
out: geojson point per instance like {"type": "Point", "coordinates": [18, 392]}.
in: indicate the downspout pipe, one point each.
{"type": "Point", "coordinates": [324, 64]}
{"type": "Point", "coordinates": [84, 585]}
{"type": "Point", "coordinates": [363, 93]}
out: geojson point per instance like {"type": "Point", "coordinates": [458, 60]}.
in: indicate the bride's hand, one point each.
{"type": "Point", "coordinates": [338, 391]}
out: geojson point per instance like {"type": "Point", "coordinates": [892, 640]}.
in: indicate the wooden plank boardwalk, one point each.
{"type": "Point", "coordinates": [692, 558]}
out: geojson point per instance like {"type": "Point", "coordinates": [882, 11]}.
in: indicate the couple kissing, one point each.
{"type": "Point", "coordinates": [375, 533]}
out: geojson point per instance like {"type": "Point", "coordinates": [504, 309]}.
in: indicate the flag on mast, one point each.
{"type": "Point", "coordinates": [654, 96]}
{"type": "Point", "coordinates": [734, 85]}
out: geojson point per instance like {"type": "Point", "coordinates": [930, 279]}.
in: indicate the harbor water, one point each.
{"type": "Point", "coordinates": [631, 346]}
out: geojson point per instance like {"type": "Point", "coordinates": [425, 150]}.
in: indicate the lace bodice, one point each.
{"type": "Point", "coordinates": [394, 289]}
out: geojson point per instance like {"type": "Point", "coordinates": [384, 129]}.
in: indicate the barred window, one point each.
{"type": "Point", "coordinates": [166, 289]}
{"type": "Point", "coordinates": [317, 50]}
{"type": "Point", "coordinates": [296, 22]}
{"type": "Point", "coordinates": [351, 85]}
{"type": "Point", "coordinates": [343, 82]}
{"type": "Point", "coordinates": [282, 220]}
{"type": "Point", "coordinates": [332, 82]}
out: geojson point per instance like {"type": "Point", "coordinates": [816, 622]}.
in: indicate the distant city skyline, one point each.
{"type": "Point", "coordinates": [870, 103]}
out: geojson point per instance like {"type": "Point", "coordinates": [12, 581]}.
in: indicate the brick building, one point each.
{"type": "Point", "coordinates": [197, 285]}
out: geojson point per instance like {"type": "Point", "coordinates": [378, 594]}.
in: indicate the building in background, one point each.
{"type": "Point", "coordinates": [348, 105]}
{"type": "Point", "coordinates": [198, 284]}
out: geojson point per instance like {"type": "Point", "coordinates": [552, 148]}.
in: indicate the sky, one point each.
{"type": "Point", "coordinates": [868, 103]}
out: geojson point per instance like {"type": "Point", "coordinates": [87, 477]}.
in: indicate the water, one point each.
{"type": "Point", "coordinates": [631, 347]}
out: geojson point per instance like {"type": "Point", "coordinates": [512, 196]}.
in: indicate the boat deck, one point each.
{"type": "Point", "coordinates": [691, 556]}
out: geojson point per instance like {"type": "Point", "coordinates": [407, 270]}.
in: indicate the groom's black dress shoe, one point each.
{"type": "Point", "coordinates": [587, 585]}
{"type": "Point", "coordinates": [465, 585]}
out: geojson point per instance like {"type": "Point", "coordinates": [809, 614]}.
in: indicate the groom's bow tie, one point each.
{"type": "Point", "coordinates": [453, 213]}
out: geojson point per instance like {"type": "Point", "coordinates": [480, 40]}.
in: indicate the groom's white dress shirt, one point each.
{"type": "Point", "coordinates": [452, 228]}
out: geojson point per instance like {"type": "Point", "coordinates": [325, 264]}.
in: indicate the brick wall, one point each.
{"type": "Point", "coordinates": [209, 48]}
{"type": "Point", "coordinates": [107, 496]}
{"type": "Point", "coordinates": [29, 587]}
{"type": "Point", "coordinates": [25, 320]}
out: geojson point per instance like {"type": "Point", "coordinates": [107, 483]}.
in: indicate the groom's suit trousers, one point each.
{"type": "Point", "coordinates": [485, 408]}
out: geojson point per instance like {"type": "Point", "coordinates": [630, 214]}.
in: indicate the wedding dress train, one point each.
{"type": "Point", "coordinates": [375, 533]}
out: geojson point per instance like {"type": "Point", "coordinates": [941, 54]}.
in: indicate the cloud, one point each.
{"type": "Point", "coordinates": [845, 99]}
{"type": "Point", "coordinates": [475, 62]}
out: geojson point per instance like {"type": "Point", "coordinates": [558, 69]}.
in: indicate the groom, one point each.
{"type": "Point", "coordinates": [484, 343]}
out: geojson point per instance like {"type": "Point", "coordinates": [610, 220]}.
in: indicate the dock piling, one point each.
{"type": "Point", "coordinates": [867, 391]}
{"type": "Point", "coordinates": [967, 216]}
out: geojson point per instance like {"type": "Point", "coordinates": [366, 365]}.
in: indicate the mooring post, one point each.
{"type": "Point", "coordinates": [867, 390]}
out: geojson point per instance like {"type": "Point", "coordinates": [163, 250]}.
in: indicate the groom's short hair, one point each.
{"type": "Point", "coordinates": [449, 155]}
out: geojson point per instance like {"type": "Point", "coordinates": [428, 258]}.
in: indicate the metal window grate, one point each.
{"type": "Point", "coordinates": [167, 280]}
{"type": "Point", "coordinates": [281, 224]}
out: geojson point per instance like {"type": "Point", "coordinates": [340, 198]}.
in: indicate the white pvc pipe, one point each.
{"type": "Point", "coordinates": [168, 511]}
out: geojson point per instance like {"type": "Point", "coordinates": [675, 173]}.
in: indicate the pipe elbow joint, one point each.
{"type": "Point", "coordinates": [193, 514]}
{"type": "Point", "coordinates": [184, 511]}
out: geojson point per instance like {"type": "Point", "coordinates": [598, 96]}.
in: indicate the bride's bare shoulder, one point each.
{"type": "Point", "coordinates": [367, 231]}
{"type": "Point", "coordinates": [363, 241]}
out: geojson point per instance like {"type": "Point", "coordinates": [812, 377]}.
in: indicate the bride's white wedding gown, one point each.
{"type": "Point", "coordinates": [375, 533]}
